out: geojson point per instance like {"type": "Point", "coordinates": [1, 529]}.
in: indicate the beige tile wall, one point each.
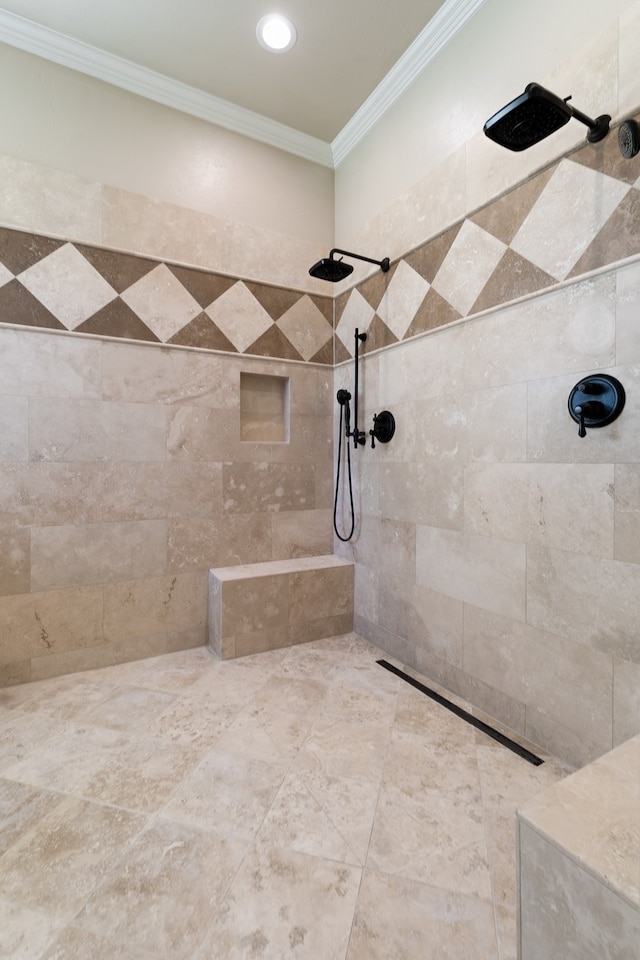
{"type": "Point", "coordinates": [495, 549]}
{"type": "Point", "coordinates": [123, 479]}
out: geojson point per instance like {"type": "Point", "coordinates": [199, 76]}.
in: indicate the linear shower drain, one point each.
{"type": "Point", "coordinates": [465, 715]}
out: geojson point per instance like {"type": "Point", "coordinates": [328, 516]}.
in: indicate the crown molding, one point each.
{"type": "Point", "coordinates": [449, 19]}
{"type": "Point", "coordinates": [51, 45]}
{"type": "Point", "coordinates": [54, 46]}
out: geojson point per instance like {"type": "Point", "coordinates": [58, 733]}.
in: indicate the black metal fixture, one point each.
{"type": "Point", "coordinates": [536, 114]}
{"type": "Point", "coordinates": [384, 427]}
{"type": "Point", "coordinates": [335, 270]}
{"type": "Point", "coordinates": [629, 139]}
{"type": "Point", "coordinates": [596, 401]}
{"type": "Point", "coordinates": [359, 439]}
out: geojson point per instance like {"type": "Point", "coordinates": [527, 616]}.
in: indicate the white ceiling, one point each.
{"type": "Point", "coordinates": [350, 55]}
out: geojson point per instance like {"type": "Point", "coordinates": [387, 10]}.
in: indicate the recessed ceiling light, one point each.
{"type": "Point", "coordinates": [276, 33]}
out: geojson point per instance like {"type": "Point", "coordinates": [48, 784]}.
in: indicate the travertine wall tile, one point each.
{"type": "Point", "coordinates": [14, 673]}
{"type": "Point", "coordinates": [301, 533]}
{"type": "Point", "coordinates": [91, 430]}
{"type": "Point", "coordinates": [570, 329]}
{"type": "Point", "coordinates": [568, 506]}
{"type": "Point", "coordinates": [310, 438]}
{"type": "Point", "coordinates": [561, 599]}
{"type": "Point", "coordinates": [145, 491]}
{"type": "Point", "coordinates": [493, 702]}
{"type": "Point", "coordinates": [207, 434]}
{"type": "Point", "coordinates": [627, 512]}
{"type": "Point", "coordinates": [15, 560]}
{"type": "Point", "coordinates": [138, 374]}
{"type": "Point", "coordinates": [628, 58]}
{"type": "Point", "coordinates": [14, 429]}
{"type": "Point", "coordinates": [394, 603]}
{"type": "Point", "coordinates": [200, 543]}
{"type": "Point", "coordinates": [440, 494]}
{"type": "Point", "coordinates": [497, 423]}
{"type": "Point", "coordinates": [37, 624]}
{"type": "Point", "coordinates": [399, 490]}
{"type": "Point", "coordinates": [488, 425]}
{"type": "Point", "coordinates": [430, 367]}
{"type": "Point", "coordinates": [537, 669]}
{"type": "Point", "coordinates": [393, 644]}
{"type": "Point", "coordinates": [436, 625]}
{"type": "Point", "coordinates": [485, 572]}
{"type": "Point", "coordinates": [50, 365]}
{"type": "Point", "coordinates": [48, 493]}
{"type": "Point", "coordinates": [56, 201]}
{"type": "Point", "coordinates": [627, 310]}
{"type": "Point", "coordinates": [74, 555]}
{"type": "Point", "coordinates": [71, 661]}
{"type": "Point", "coordinates": [626, 700]}
{"type": "Point", "coordinates": [396, 549]}
{"type": "Point", "coordinates": [558, 739]}
{"type": "Point", "coordinates": [136, 609]}
{"type": "Point", "coordinates": [257, 487]}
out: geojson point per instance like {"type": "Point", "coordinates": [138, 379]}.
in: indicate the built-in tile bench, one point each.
{"type": "Point", "coordinates": [263, 606]}
{"type": "Point", "coordinates": [579, 863]}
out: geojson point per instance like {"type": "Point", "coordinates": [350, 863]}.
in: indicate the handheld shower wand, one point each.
{"type": "Point", "coordinates": [343, 398]}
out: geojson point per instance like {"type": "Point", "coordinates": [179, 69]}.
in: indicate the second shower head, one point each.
{"type": "Point", "coordinates": [536, 114]}
{"type": "Point", "coordinates": [335, 270]}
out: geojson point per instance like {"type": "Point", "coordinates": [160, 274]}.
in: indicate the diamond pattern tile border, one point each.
{"type": "Point", "coordinates": [65, 286]}
{"type": "Point", "coordinates": [507, 259]}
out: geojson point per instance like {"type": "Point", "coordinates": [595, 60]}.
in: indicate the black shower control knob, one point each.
{"type": "Point", "coordinates": [384, 427]}
{"type": "Point", "coordinates": [590, 412]}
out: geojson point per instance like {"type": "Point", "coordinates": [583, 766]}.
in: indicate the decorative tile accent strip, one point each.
{"type": "Point", "coordinates": [580, 214]}
{"type": "Point", "coordinates": [66, 286]}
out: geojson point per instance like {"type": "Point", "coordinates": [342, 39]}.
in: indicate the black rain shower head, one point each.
{"type": "Point", "coordinates": [335, 270]}
{"type": "Point", "coordinates": [536, 114]}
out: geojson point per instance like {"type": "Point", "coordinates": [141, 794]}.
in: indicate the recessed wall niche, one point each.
{"type": "Point", "coordinates": [264, 408]}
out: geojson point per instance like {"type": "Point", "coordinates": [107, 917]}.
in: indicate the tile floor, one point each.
{"type": "Point", "coordinates": [303, 803]}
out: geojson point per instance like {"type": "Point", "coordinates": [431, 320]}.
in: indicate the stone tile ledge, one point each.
{"type": "Point", "coordinates": [247, 571]}
{"type": "Point", "coordinates": [593, 817]}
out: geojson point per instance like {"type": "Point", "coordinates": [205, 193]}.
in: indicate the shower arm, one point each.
{"type": "Point", "coordinates": [598, 128]}
{"type": "Point", "coordinates": [383, 264]}
{"type": "Point", "coordinates": [359, 436]}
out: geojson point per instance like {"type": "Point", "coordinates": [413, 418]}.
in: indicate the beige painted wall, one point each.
{"type": "Point", "coordinates": [86, 161]}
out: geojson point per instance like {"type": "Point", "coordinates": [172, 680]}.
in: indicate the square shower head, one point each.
{"type": "Point", "coordinates": [531, 117]}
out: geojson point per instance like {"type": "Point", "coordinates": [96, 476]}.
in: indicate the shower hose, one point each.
{"type": "Point", "coordinates": [335, 502]}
